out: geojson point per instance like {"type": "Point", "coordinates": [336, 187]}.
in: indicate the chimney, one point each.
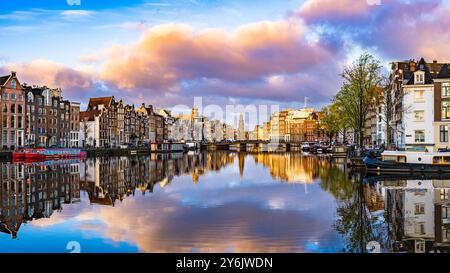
{"type": "Point", "coordinates": [13, 73]}
{"type": "Point", "coordinates": [412, 66]}
{"type": "Point", "coordinates": [435, 62]}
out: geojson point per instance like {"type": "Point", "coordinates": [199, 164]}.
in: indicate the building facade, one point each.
{"type": "Point", "coordinates": [13, 112]}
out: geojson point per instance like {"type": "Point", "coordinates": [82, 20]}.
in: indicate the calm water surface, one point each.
{"type": "Point", "coordinates": [214, 202]}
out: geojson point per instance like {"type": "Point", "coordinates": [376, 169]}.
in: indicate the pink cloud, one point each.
{"type": "Point", "coordinates": [169, 54]}
{"type": "Point", "coordinates": [397, 29]}
{"type": "Point", "coordinates": [335, 10]}
{"type": "Point", "coordinates": [51, 74]}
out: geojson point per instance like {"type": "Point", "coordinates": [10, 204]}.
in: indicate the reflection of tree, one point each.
{"type": "Point", "coordinates": [336, 182]}
{"type": "Point", "coordinates": [355, 222]}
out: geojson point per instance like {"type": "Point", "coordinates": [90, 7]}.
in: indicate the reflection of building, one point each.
{"type": "Point", "coordinates": [34, 191]}
{"type": "Point", "coordinates": [292, 167]}
{"type": "Point", "coordinates": [373, 198]}
{"type": "Point", "coordinates": [417, 211]}
{"type": "Point", "coordinates": [110, 179]}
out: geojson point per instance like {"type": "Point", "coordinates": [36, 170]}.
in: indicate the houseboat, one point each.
{"type": "Point", "coordinates": [409, 162]}
{"type": "Point", "coordinates": [44, 153]}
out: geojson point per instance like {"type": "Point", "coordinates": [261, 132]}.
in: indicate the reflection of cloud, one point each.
{"type": "Point", "coordinates": [276, 204]}
{"type": "Point", "coordinates": [238, 227]}
{"type": "Point", "coordinates": [69, 212]}
{"type": "Point", "coordinates": [257, 214]}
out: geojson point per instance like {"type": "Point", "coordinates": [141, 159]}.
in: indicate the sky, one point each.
{"type": "Point", "coordinates": [166, 52]}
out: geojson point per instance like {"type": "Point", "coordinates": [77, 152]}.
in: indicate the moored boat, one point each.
{"type": "Point", "coordinates": [409, 162]}
{"type": "Point", "coordinates": [47, 153]}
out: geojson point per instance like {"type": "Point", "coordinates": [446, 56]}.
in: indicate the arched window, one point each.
{"type": "Point", "coordinates": [46, 95]}
{"type": "Point", "coordinates": [30, 97]}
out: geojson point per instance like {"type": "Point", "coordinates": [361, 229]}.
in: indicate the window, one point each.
{"type": "Point", "coordinates": [47, 98]}
{"type": "Point", "coordinates": [419, 136]}
{"type": "Point", "coordinates": [419, 208]}
{"type": "Point", "coordinates": [444, 193]}
{"type": "Point", "coordinates": [445, 106]}
{"type": "Point", "coordinates": [443, 133]}
{"type": "Point", "coordinates": [419, 95]}
{"type": "Point", "coordinates": [13, 84]}
{"type": "Point", "coordinates": [446, 91]}
{"type": "Point", "coordinates": [419, 115]}
{"type": "Point", "coordinates": [419, 78]}
{"type": "Point", "coordinates": [419, 228]}
{"type": "Point", "coordinates": [30, 97]}
{"type": "Point", "coordinates": [420, 246]}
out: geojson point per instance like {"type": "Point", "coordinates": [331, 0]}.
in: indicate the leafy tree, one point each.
{"type": "Point", "coordinates": [359, 93]}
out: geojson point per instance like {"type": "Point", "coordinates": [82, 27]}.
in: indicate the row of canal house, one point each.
{"type": "Point", "coordinates": [422, 105]}
{"type": "Point", "coordinates": [110, 123]}
{"type": "Point", "coordinates": [36, 116]}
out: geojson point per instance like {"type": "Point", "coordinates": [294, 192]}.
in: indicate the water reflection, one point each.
{"type": "Point", "coordinates": [216, 202]}
{"type": "Point", "coordinates": [416, 212]}
{"type": "Point", "coordinates": [34, 191]}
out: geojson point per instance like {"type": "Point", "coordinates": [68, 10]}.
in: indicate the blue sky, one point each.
{"type": "Point", "coordinates": [61, 32]}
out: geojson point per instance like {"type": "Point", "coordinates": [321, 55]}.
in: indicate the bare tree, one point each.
{"type": "Point", "coordinates": [86, 130]}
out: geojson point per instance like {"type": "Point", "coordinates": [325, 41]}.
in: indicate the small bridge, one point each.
{"type": "Point", "coordinates": [252, 146]}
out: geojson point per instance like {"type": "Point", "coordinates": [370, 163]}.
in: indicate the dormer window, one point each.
{"type": "Point", "coordinates": [420, 78]}
{"type": "Point", "coordinates": [30, 97]}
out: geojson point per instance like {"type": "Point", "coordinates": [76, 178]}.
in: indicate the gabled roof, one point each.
{"type": "Point", "coordinates": [164, 112]}
{"type": "Point", "coordinates": [421, 66]}
{"type": "Point", "coordinates": [89, 115]}
{"type": "Point", "coordinates": [445, 72]}
{"type": "Point", "coordinates": [94, 102]}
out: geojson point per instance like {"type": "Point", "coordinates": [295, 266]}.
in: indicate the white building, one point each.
{"type": "Point", "coordinates": [229, 132]}
{"type": "Point", "coordinates": [89, 134]}
{"type": "Point", "coordinates": [381, 126]}
{"type": "Point", "coordinates": [217, 131]}
{"type": "Point", "coordinates": [418, 103]}
{"type": "Point", "coordinates": [181, 130]}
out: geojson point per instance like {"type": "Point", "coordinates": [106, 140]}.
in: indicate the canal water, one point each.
{"type": "Point", "coordinates": [217, 202]}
